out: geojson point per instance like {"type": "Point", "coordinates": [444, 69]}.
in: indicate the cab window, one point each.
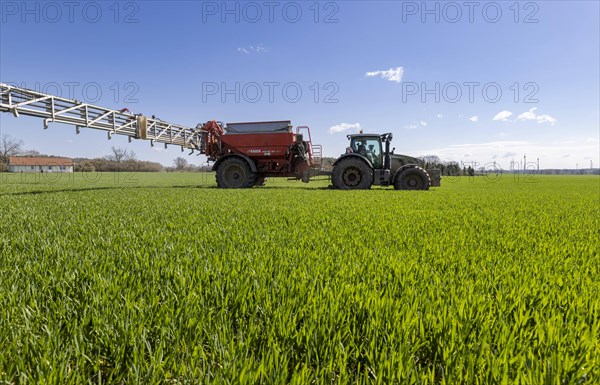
{"type": "Point", "coordinates": [369, 147]}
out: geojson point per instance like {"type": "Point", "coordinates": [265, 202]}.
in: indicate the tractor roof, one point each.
{"type": "Point", "coordinates": [351, 136]}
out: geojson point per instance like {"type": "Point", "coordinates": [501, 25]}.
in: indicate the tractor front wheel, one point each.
{"type": "Point", "coordinates": [352, 174]}
{"type": "Point", "coordinates": [235, 173]}
{"type": "Point", "coordinates": [414, 178]}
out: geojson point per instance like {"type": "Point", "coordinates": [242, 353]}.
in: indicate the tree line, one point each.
{"type": "Point", "coordinates": [119, 159]}
{"type": "Point", "coordinates": [122, 159]}
{"type": "Point", "coordinates": [447, 168]}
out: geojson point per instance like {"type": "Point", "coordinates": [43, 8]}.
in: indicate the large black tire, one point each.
{"type": "Point", "coordinates": [235, 173]}
{"type": "Point", "coordinates": [352, 174]}
{"type": "Point", "coordinates": [413, 178]}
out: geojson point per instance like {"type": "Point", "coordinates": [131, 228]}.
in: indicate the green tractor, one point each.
{"type": "Point", "coordinates": [368, 161]}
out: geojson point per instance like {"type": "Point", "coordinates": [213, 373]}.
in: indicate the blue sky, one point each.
{"type": "Point", "coordinates": [467, 81]}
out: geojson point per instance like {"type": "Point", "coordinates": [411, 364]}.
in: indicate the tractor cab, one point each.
{"type": "Point", "coordinates": [368, 145]}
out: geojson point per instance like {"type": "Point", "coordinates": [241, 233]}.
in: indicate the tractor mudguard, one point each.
{"type": "Point", "coordinates": [402, 168]}
{"type": "Point", "coordinates": [354, 154]}
{"type": "Point", "coordinates": [247, 159]}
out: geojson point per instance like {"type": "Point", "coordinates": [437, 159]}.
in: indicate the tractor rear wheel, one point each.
{"type": "Point", "coordinates": [352, 174]}
{"type": "Point", "coordinates": [235, 173]}
{"type": "Point", "coordinates": [414, 178]}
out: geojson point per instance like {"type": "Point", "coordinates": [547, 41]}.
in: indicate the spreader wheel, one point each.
{"type": "Point", "coordinates": [235, 173]}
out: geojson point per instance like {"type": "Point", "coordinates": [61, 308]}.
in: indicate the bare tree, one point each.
{"type": "Point", "coordinates": [120, 155]}
{"type": "Point", "coordinates": [180, 163]}
{"type": "Point", "coordinates": [9, 147]}
{"type": "Point", "coordinates": [30, 153]}
{"type": "Point", "coordinates": [431, 159]}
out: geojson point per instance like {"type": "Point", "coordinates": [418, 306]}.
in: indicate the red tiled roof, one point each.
{"type": "Point", "coordinates": [38, 161]}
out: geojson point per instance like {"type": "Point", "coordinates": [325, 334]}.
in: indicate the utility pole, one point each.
{"type": "Point", "coordinates": [538, 164]}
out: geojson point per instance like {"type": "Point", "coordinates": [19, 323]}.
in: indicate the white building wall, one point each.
{"type": "Point", "coordinates": [40, 168]}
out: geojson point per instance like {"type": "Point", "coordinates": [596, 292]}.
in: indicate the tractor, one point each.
{"type": "Point", "coordinates": [369, 161]}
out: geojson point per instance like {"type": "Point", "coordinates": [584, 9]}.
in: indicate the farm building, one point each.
{"type": "Point", "coordinates": [39, 164]}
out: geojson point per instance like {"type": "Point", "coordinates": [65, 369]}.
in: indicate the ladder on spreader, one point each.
{"type": "Point", "coordinates": [316, 150]}
{"type": "Point", "coordinates": [22, 101]}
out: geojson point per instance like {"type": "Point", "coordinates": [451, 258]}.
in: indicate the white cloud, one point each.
{"type": "Point", "coordinates": [252, 49]}
{"type": "Point", "coordinates": [344, 127]}
{"type": "Point", "coordinates": [531, 115]}
{"type": "Point", "coordinates": [439, 116]}
{"type": "Point", "coordinates": [550, 155]}
{"type": "Point", "coordinates": [393, 74]}
{"type": "Point", "coordinates": [474, 118]}
{"type": "Point", "coordinates": [503, 116]}
{"type": "Point", "coordinates": [414, 126]}
{"type": "Point", "coordinates": [481, 152]}
{"type": "Point", "coordinates": [487, 145]}
{"type": "Point", "coordinates": [546, 119]}
{"type": "Point", "coordinates": [592, 140]}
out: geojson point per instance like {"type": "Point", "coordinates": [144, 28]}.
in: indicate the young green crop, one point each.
{"type": "Point", "coordinates": [121, 278]}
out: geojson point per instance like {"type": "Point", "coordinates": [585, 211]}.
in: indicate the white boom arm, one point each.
{"type": "Point", "coordinates": [116, 122]}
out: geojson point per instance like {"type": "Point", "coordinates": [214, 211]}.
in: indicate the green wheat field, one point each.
{"type": "Point", "coordinates": [163, 278]}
